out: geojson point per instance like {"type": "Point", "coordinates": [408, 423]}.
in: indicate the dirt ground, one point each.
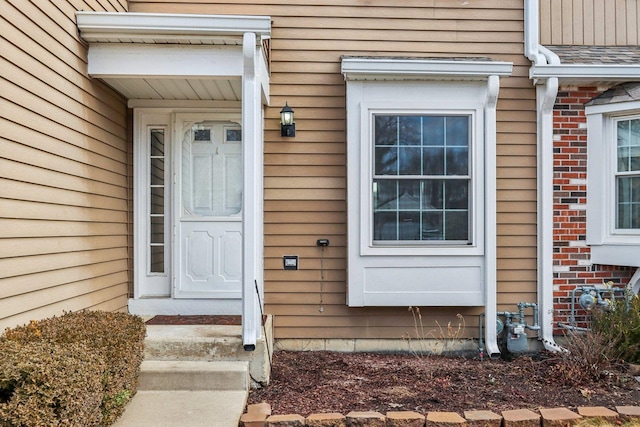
{"type": "Point", "coordinates": [312, 382]}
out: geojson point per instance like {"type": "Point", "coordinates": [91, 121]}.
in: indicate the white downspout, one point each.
{"type": "Point", "coordinates": [546, 92]}
{"type": "Point", "coordinates": [545, 99]}
{"type": "Point", "coordinates": [491, 299]}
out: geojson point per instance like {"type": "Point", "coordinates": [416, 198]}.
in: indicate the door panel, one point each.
{"type": "Point", "coordinates": [209, 225]}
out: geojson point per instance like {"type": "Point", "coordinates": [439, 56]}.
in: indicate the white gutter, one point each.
{"type": "Point", "coordinates": [546, 92]}
{"type": "Point", "coordinates": [587, 72]}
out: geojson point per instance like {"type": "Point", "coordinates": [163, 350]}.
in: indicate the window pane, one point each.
{"type": "Point", "coordinates": [433, 190]}
{"type": "Point", "coordinates": [433, 161]}
{"type": "Point", "coordinates": [457, 130]}
{"type": "Point", "coordinates": [157, 229]}
{"type": "Point", "coordinates": [408, 225]}
{"type": "Point", "coordinates": [457, 194]}
{"type": "Point", "coordinates": [634, 158]}
{"type": "Point", "coordinates": [409, 162]}
{"type": "Point", "coordinates": [386, 130]}
{"type": "Point", "coordinates": [628, 202]}
{"type": "Point", "coordinates": [457, 225]}
{"type": "Point", "coordinates": [157, 142]}
{"type": "Point", "coordinates": [386, 161]}
{"type": "Point", "coordinates": [157, 259]}
{"type": "Point", "coordinates": [432, 226]}
{"type": "Point", "coordinates": [409, 194]}
{"type": "Point", "coordinates": [157, 171]}
{"type": "Point", "coordinates": [623, 159]}
{"type": "Point", "coordinates": [157, 200]}
{"type": "Point", "coordinates": [457, 161]}
{"type": "Point", "coordinates": [410, 130]}
{"type": "Point", "coordinates": [385, 226]}
{"type": "Point", "coordinates": [385, 194]}
{"type": "Point", "coordinates": [433, 130]}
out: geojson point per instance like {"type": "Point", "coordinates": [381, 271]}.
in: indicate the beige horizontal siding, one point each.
{"type": "Point", "coordinates": [56, 278]}
{"type": "Point", "coordinates": [305, 176]}
{"type": "Point", "coordinates": [64, 181]}
{"type": "Point", "coordinates": [590, 22]}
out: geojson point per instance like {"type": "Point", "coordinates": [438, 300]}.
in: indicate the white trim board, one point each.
{"type": "Point", "coordinates": [187, 28]}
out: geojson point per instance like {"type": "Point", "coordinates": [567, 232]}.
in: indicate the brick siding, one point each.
{"type": "Point", "coordinates": [572, 266]}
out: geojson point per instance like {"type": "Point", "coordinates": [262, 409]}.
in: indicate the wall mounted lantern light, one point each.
{"type": "Point", "coordinates": [287, 125]}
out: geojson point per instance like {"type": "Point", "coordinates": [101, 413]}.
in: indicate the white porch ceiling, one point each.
{"type": "Point", "coordinates": [177, 89]}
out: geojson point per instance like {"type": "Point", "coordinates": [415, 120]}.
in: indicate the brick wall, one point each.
{"type": "Point", "coordinates": [571, 256]}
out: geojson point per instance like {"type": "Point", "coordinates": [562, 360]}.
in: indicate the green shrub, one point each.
{"type": "Point", "coordinates": [619, 324]}
{"type": "Point", "coordinates": [117, 339]}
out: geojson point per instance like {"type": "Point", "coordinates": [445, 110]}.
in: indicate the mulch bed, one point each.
{"type": "Point", "coordinates": [312, 382]}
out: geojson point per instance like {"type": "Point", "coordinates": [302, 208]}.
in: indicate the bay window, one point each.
{"type": "Point", "coordinates": [421, 181]}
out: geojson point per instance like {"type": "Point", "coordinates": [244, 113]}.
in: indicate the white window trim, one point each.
{"type": "Point", "coordinates": [428, 275]}
{"type": "Point", "coordinates": [148, 284]}
{"type": "Point", "coordinates": [609, 245]}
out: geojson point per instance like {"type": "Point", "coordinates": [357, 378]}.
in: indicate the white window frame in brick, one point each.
{"type": "Point", "coordinates": [609, 245]}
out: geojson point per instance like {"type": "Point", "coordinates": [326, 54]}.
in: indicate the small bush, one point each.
{"type": "Point", "coordinates": [115, 339]}
{"type": "Point", "coordinates": [48, 384]}
{"type": "Point", "coordinates": [620, 327]}
{"type": "Point", "coordinates": [587, 357]}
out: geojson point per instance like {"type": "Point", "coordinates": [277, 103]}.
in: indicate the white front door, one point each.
{"type": "Point", "coordinates": [207, 199]}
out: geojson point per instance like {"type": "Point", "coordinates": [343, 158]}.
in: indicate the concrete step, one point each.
{"type": "Point", "coordinates": [210, 343]}
{"type": "Point", "coordinates": [194, 375]}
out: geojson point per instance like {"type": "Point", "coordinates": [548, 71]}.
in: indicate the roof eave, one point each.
{"type": "Point", "coordinates": [135, 27]}
{"type": "Point", "coordinates": [415, 69]}
{"type": "Point", "coordinates": [586, 72]}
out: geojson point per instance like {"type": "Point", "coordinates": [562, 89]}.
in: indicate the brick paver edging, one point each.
{"type": "Point", "coordinates": [259, 415]}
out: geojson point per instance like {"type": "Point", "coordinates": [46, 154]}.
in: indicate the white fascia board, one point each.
{"type": "Point", "coordinates": [128, 60]}
{"type": "Point", "coordinates": [116, 26]}
{"type": "Point", "coordinates": [613, 108]}
{"type": "Point", "coordinates": [587, 72]}
{"type": "Point", "coordinates": [418, 69]}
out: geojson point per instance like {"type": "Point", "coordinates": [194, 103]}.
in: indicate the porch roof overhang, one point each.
{"type": "Point", "coordinates": [171, 57]}
{"type": "Point", "coordinates": [587, 73]}
{"type": "Point", "coordinates": [589, 65]}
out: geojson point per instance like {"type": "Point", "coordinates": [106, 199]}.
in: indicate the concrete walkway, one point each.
{"type": "Point", "coordinates": [180, 408]}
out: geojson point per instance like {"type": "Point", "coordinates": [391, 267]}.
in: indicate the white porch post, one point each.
{"type": "Point", "coordinates": [252, 195]}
